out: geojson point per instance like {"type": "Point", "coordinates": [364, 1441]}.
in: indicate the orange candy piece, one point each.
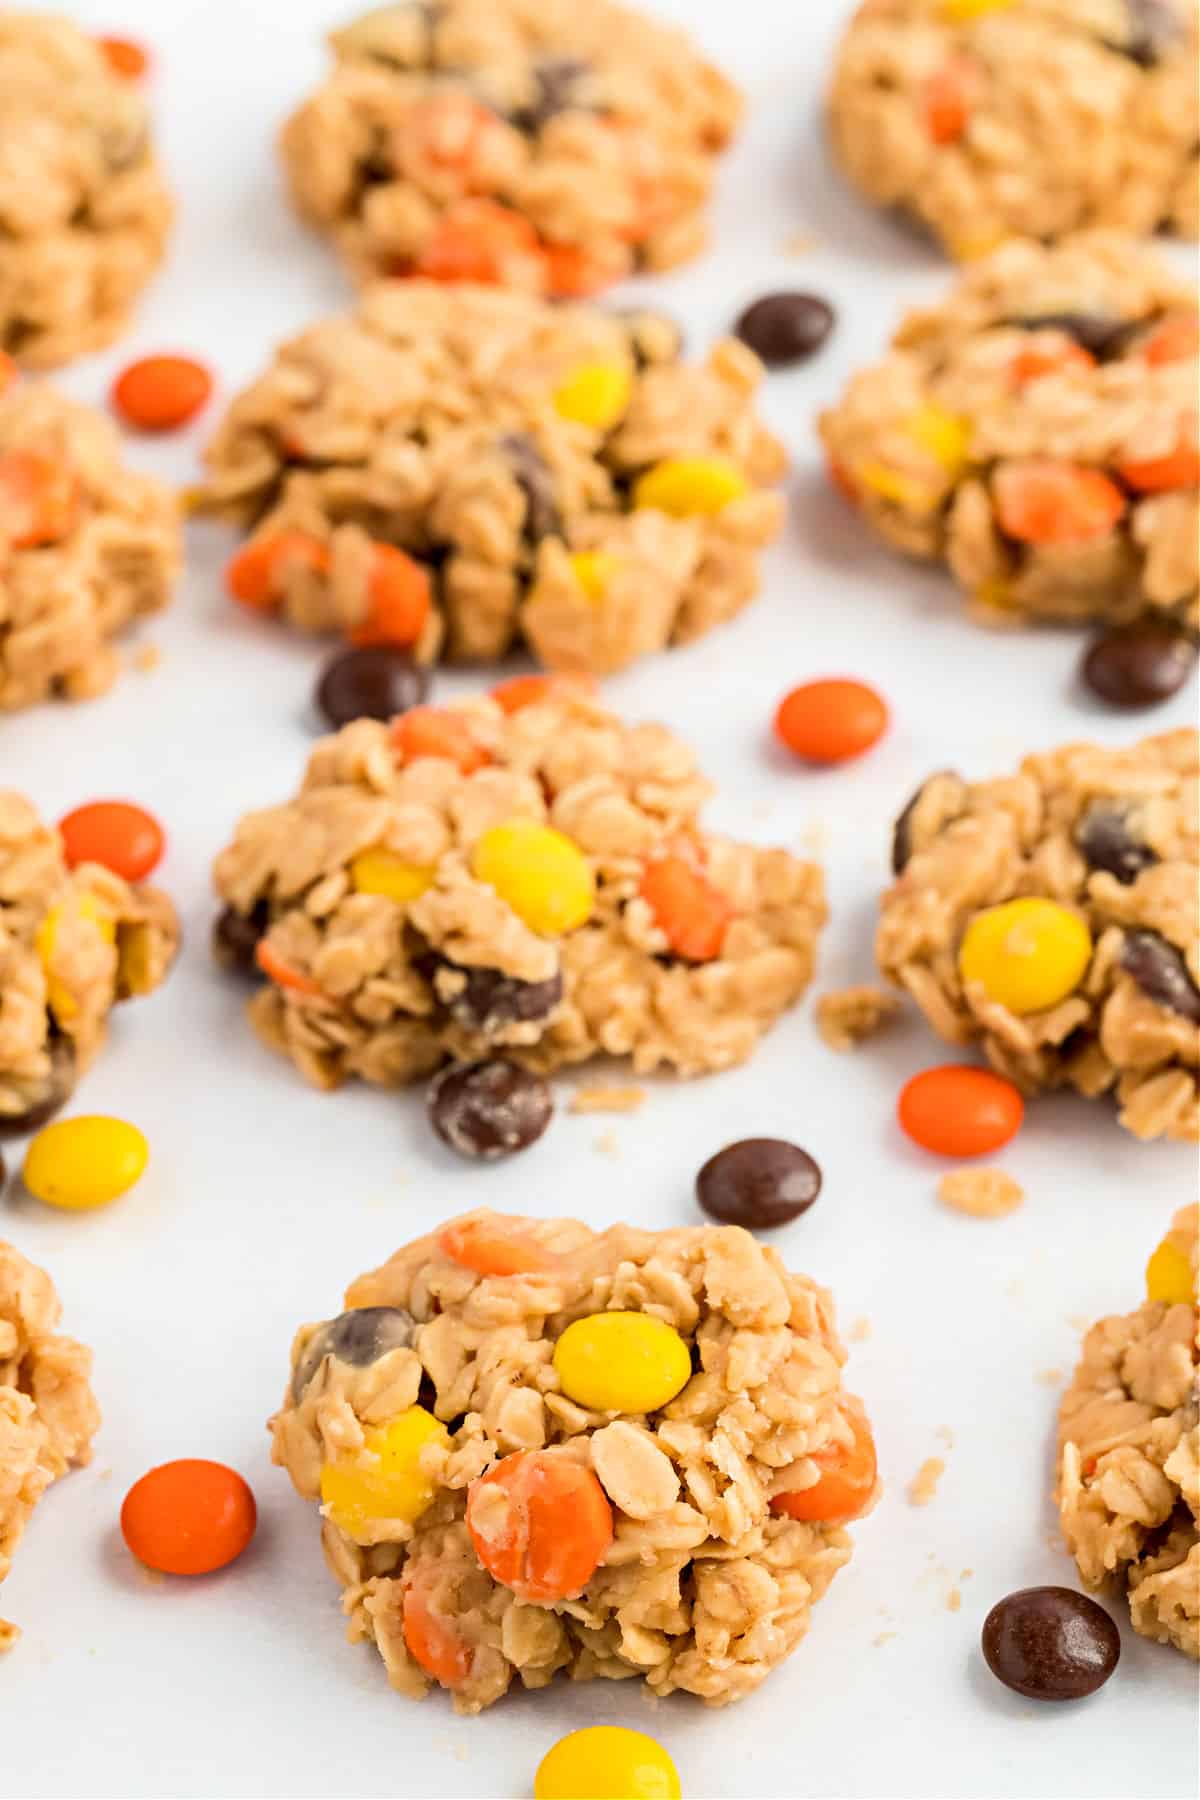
{"type": "Point", "coordinates": [957, 1110]}
{"type": "Point", "coordinates": [282, 973]}
{"type": "Point", "coordinates": [527, 690]}
{"type": "Point", "coordinates": [398, 599]}
{"type": "Point", "coordinates": [492, 1247]}
{"type": "Point", "coordinates": [433, 1641]}
{"type": "Point", "coordinates": [1030, 365]}
{"type": "Point", "coordinates": [437, 731]}
{"type": "Point", "coordinates": [1055, 503]}
{"type": "Point", "coordinates": [690, 912]}
{"type": "Point", "coordinates": [946, 101]}
{"type": "Point", "coordinates": [575, 272]}
{"type": "Point", "coordinates": [257, 575]}
{"type": "Point", "coordinates": [124, 57]}
{"type": "Point", "coordinates": [118, 835]}
{"type": "Point", "coordinates": [1177, 339]}
{"type": "Point", "coordinates": [846, 1483]}
{"type": "Point", "coordinates": [540, 1523]}
{"type": "Point", "coordinates": [831, 721]}
{"type": "Point", "coordinates": [1163, 474]}
{"type": "Point", "coordinates": [188, 1517]}
{"type": "Point", "coordinates": [39, 499]}
{"type": "Point", "coordinates": [160, 393]}
{"type": "Point", "coordinates": [480, 240]}
{"type": "Point", "coordinates": [8, 370]}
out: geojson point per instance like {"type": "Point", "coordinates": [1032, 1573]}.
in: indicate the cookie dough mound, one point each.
{"type": "Point", "coordinates": [563, 475]}
{"type": "Point", "coordinates": [540, 144]}
{"type": "Point", "coordinates": [1128, 1489]}
{"type": "Point", "coordinates": [84, 212]}
{"type": "Point", "coordinates": [86, 547]}
{"type": "Point", "coordinates": [704, 1585]}
{"type": "Point", "coordinates": [985, 119]}
{"type": "Point", "coordinates": [48, 1413]}
{"type": "Point", "coordinates": [1037, 432]}
{"type": "Point", "coordinates": [534, 883]}
{"type": "Point", "coordinates": [1050, 917]}
{"type": "Point", "coordinates": [73, 942]}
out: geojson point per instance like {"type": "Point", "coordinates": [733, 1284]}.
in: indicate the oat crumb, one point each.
{"type": "Point", "coordinates": [799, 243]}
{"type": "Point", "coordinates": [966, 1574]}
{"type": "Point", "coordinates": [147, 658]}
{"type": "Point", "coordinates": [884, 1637]}
{"type": "Point", "coordinates": [860, 1331]}
{"type": "Point", "coordinates": [982, 1193]}
{"type": "Point", "coordinates": [923, 1486]}
{"type": "Point", "coordinates": [848, 1016]}
{"type": "Point", "coordinates": [946, 1436]}
{"type": "Point", "coordinates": [608, 1144]}
{"type": "Point", "coordinates": [815, 838]}
{"type": "Point", "coordinates": [1078, 1322]}
{"type": "Point", "coordinates": [601, 1099]}
{"type": "Point", "coordinates": [1050, 1377]}
{"type": "Point", "coordinates": [953, 1600]}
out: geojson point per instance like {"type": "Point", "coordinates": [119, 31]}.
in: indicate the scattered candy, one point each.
{"type": "Point", "coordinates": [1050, 1643]}
{"type": "Point", "coordinates": [831, 721]}
{"type": "Point", "coordinates": [282, 973]}
{"type": "Point", "coordinates": [692, 914]}
{"type": "Point", "coordinates": [489, 1109]}
{"type": "Point", "coordinates": [388, 1479]}
{"type": "Point", "coordinates": [115, 833]}
{"type": "Point", "coordinates": [596, 394]}
{"type": "Point", "coordinates": [606, 1762]}
{"type": "Point", "coordinates": [495, 1246]}
{"type": "Point", "coordinates": [623, 1362]}
{"type": "Point", "coordinates": [946, 100]}
{"type": "Point", "coordinates": [437, 731]}
{"type": "Point", "coordinates": [124, 57]}
{"type": "Point", "coordinates": [1139, 665]}
{"type": "Point", "coordinates": [434, 1642]}
{"type": "Point", "coordinates": [399, 598]}
{"type": "Point", "coordinates": [378, 682]}
{"type": "Point", "coordinates": [1055, 503]}
{"type": "Point", "coordinates": [189, 1517]}
{"type": "Point", "coordinates": [758, 1183]}
{"type": "Point", "coordinates": [540, 1523]}
{"type": "Point", "coordinates": [1169, 1275]}
{"type": "Point", "coordinates": [541, 874]}
{"type": "Point", "coordinates": [258, 574]}
{"type": "Point", "coordinates": [785, 328]}
{"type": "Point", "coordinates": [593, 570]}
{"type": "Point", "coordinates": [359, 1337]}
{"type": "Point", "coordinates": [1160, 971]}
{"type": "Point", "coordinates": [79, 1164]}
{"type": "Point", "coordinates": [60, 1087]}
{"type": "Point", "coordinates": [161, 393]}
{"type": "Point", "coordinates": [687, 486]}
{"type": "Point", "coordinates": [956, 1110]}
{"type": "Point", "coordinates": [87, 908]}
{"type": "Point", "coordinates": [846, 1483]}
{"type": "Point", "coordinates": [1027, 954]}
{"type": "Point", "coordinates": [529, 690]}
{"type": "Point", "coordinates": [39, 499]}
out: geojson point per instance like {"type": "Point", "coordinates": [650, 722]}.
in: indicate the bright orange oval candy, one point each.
{"type": "Point", "coordinates": [519, 691]}
{"type": "Point", "coordinates": [846, 1482]}
{"type": "Point", "coordinates": [39, 499]}
{"type": "Point", "coordinates": [115, 833]}
{"type": "Point", "coordinates": [1044, 502]}
{"type": "Point", "coordinates": [124, 57]}
{"type": "Point", "coordinates": [540, 1523]}
{"type": "Point", "coordinates": [433, 1641]}
{"type": "Point", "coordinates": [160, 393]}
{"type": "Point", "coordinates": [398, 599]}
{"type": "Point", "coordinates": [692, 914]}
{"type": "Point", "coordinates": [957, 1110]}
{"type": "Point", "coordinates": [437, 731]}
{"type": "Point", "coordinates": [831, 721]}
{"type": "Point", "coordinates": [188, 1517]}
{"type": "Point", "coordinates": [257, 575]}
{"type": "Point", "coordinates": [495, 1246]}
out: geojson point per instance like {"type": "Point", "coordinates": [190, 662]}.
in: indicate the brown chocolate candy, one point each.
{"type": "Point", "coordinates": [489, 1109]}
{"type": "Point", "coordinates": [1108, 842]}
{"type": "Point", "coordinates": [758, 1183]}
{"type": "Point", "coordinates": [485, 1000]}
{"type": "Point", "coordinates": [1050, 1643]}
{"type": "Point", "coordinates": [1161, 973]}
{"type": "Point", "coordinates": [359, 1337]}
{"type": "Point", "coordinates": [59, 1088]}
{"type": "Point", "coordinates": [1139, 665]}
{"type": "Point", "coordinates": [373, 681]}
{"type": "Point", "coordinates": [236, 937]}
{"type": "Point", "coordinates": [785, 328]}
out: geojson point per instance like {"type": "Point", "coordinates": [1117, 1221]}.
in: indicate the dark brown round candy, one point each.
{"type": "Point", "coordinates": [236, 937]}
{"type": "Point", "coordinates": [489, 1109]}
{"type": "Point", "coordinates": [59, 1088]}
{"type": "Point", "coordinates": [758, 1183]}
{"type": "Point", "coordinates": [1139, 665]}
{"type": "Point", "coordinates": [1050, 1643]}
{"type": "Point", "coordinates": [375, 681]}
{"type": "Point", "coordinates": [785, 328]}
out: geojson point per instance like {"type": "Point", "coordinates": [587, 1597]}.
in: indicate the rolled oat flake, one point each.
{"type": "Point", "coordinates": [489, 1109]}
{"type": "Point", "coordinates": [1050, 1643]}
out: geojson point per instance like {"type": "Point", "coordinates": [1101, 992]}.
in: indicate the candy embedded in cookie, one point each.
{"type": "Point", "coordinates": [48, 1414]}
{"type": "Point", "coordinates": [75, 939]}
{"type": "Point", "coordinates": [1050, 917]}
{"type": "Point", "coordinates": [1128, 1443]}
{"type": "Point", "coordinates": [521, 1436]}
{"type": "Point", "coordinates": [84, 211]}
{"type": "Point", "coordinates": [1037, 432]}
{"type": "Point", "coordinates": [87, 546]}
{"type": "Point", "coordinates": [454, 470]}
{"type": "Point", "coordinates": [989, 119]}
{"type": "Point", "coordinates": [537, 144]}
{"type": "Point", "coordinates": [528, 881]}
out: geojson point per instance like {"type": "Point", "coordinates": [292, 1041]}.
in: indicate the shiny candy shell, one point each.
{"type": "Point", "coordinates": [79, 1164]}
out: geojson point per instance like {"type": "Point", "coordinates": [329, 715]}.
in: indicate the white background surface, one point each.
{"type": "Point", "coordinates": [263, 1199]}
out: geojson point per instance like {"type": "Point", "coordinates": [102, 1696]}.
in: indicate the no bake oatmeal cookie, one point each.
{"type": "Point", "coordinates": [557, 473]}
{"type": "Point", "coordinates": [1050, 916]}
{"type": "Point", "coordinates": [541, 144]}
{"type": "Point", "coordinates": [985, 119]}
{"type": "Point", "coordinates": [542, 1448]}
{"type": "Point", "coordinates": [84, 212]}
{"type": "Point", "coordinates": [1037, 432]}
{"type": "Point", "coordinates": [1128, 1489]}
{"type": "Point", "coordinates": [524, 875]}
{"type": "Point", "coordinates": [86, 547]}
{"type": "Point", "coordinates": [48, 1414]}
{"type": "Point", "coordinates": [73, 942]}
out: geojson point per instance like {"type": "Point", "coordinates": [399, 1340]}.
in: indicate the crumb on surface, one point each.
{"type": "Point", "coordinates": [883, 1637]}
{"type": "Point", "coordinates": [846, 1017]}
{"type": "Point", "coordinates": [602, 1099]}
{"type": "Point", "coordinates": [607, 1143]}
{"type": "Point", "coordinates": [146, 658]}
{"type": "Point", "coordinates": [860, 1331]}
{"type": "Point", "coordinates": [799, 243]}
{"type": "Point", "coordinates": [924, 1484]}
{"type": "Point", "coordinates": [980, 1193]}
{"type": "Point", "coordinates": [946, 1435]}
{"type": "Point", "coordinates": [1049, 1377]}
{"type": "Point", "coordinates": [953, 1600]}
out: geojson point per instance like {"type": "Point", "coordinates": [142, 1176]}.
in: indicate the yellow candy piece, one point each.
{"type": "Point", "coordinates": [960, 12]}
{"type": "Point", "coordinates": [1169, 1275]}
{"type": "Point", "coordinates": [79, 1164]}
{"type": "Point", "coordinates": [606, 1762]}
{"type": "Point", "coordinates": [383, 872]}
{"type": "Point", "coordinates": [944, 435]}
{"type": "Point", "coordinates": [537, 871]}
{"type": "Point", "coordinates": [903, 490]}
{"type": "Point", "coordinates": [386, 1481]}
{"type": "Point", "coordinates": [627, 1362]}
{"type": "Point", "coordinates": [593, 570]}
{"type": "Point", "coordinates": [1026, 954]}
{"type": "Point", "coordinates": [595, 394]}
{"type": "Point", "coordinates": [686, 485]}
{"type": "Point", "coordinates": [45, 941]}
